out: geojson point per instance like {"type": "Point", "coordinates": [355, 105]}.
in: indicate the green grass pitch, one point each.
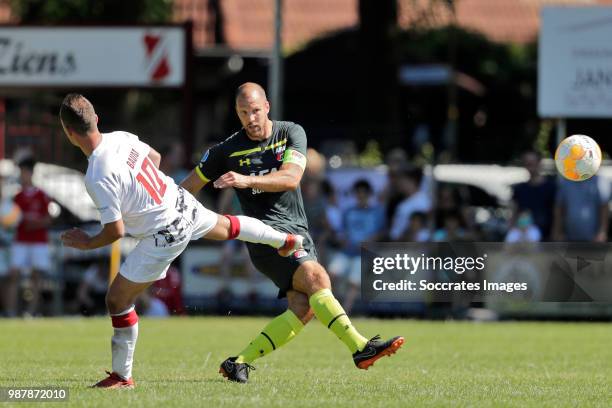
{"type": "Point", "coordinates": [442, 364]}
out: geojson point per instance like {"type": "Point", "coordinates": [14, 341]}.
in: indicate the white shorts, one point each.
{"type": "Point", "coordinates": [152, 256]}
{"type": "Point", "coordinates": [25, 256]}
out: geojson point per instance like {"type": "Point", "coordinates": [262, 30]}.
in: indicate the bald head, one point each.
{"type": "Point", "coordinates": [250, 90]}
{"type": "Point", "coordinates": [252, 109]}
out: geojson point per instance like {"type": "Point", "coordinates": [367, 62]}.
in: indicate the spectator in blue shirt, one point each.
{"type": "Point", "coordinates": [363, 222]}
{"type": "Point", "coordinates": [581, 210]}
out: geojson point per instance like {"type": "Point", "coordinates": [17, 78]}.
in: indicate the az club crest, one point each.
{"type": "Point", "coordinates": [279, 153]}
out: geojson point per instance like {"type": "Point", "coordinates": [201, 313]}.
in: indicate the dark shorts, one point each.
{"type": "Point", "coordinates": [280, 270]}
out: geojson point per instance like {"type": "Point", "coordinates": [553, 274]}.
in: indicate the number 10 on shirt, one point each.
{"type": "Point", "coordinates": [151, 181]}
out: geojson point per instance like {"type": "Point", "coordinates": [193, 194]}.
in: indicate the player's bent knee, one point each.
{"type": "Point", "coordinates": [311, 277]}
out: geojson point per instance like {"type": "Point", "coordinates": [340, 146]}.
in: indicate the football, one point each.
{"type": "Point", "coordinates": [578, 157]}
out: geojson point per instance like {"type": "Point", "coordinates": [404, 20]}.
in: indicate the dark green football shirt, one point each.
{"type": "Point", "coordinates": [283, 210]}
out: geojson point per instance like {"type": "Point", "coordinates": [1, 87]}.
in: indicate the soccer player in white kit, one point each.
{"type": "Point", "coordinates": [135, 197]}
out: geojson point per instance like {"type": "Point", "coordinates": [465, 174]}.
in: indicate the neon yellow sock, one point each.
{"type": "Point", "coordinates": [331, 314]}
{"type": "Point", "coordinates": [278, 332]}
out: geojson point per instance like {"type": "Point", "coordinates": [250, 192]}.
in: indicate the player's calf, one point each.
{"type": "Point", "coordinates": [312, 279]}
{"type": "Point", "coordinates": [297, 302]}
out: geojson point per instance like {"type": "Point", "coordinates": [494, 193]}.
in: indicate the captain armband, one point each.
{"type": "Point", "coordinates": [295, 157]}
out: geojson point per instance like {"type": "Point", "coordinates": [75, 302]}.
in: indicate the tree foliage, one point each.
{"type": "Point", "coordinates": [92, 11]}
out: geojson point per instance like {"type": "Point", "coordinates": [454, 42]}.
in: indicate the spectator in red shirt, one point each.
{"type": "Point", "coordinates": [168, 290]}
{"type": "Point", "coordinates": [30, 250]}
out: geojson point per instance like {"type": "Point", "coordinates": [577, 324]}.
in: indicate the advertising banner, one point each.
{"type": "Point", "coordinates": [575, 62]}
{"type": "Point", "coordinates": [146, 56]}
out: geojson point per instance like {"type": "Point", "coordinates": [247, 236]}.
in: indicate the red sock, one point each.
{"type": "Point", "coordinates": [125, 320]}
{"type": "Point", "coordinates": [234, 226]}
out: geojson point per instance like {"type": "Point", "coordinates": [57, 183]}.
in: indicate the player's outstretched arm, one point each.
{"type": "Point", "coordinates": [79, 239]}
{"type": "Point", "coordinates": [193, 183]}
{"type": "Point", "coordinates": [287, 178]}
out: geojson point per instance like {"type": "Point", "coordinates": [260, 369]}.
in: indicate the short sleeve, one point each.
{"type": "Point", "coordinates": [105, 195]}
{"type": "Point", "coordinates": [211, 165]}
{"type": "Point", "coordinates": [296, 146]}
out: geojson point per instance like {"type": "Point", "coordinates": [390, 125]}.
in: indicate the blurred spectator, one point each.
{"type": "Point", "coordinates": [416, 200]}
{"type": "Point", "coordinates": [333, 214]}
{"type": "Point", "coordinates": [581, 210]}
{"type": "Point", "coordinates": [314, 200]}
{"type": "Point", "coordinates": [452, 229]}
{"type": "Point", "coordinates": [149, 305]}
{"type": "Point", "coordinates": [396, 161]}
{"type": "Point", "coordinates": [361, 223]}
{"type": "Point", "coordinates": [328, 240]}
{"type": "Point", "coordinates": [452, 201]}
{"type": "Point", "coordinates": [524, 230]}
{"type": "Point", "coordinates": [314, 206]}
{"type": "Point", "coordinates": [418, 230]}
{"type": "Point", "coordinates": [537, 195]}
{"type": "Point", "coordinates": [315, 165]}
{"type": "Point", "coordinates": [30, 250]}
{"type": "Point", "coordinates": [9, 215]}
{"type": "Point", "coordinates": [173, 161]}
{"type": "Point", "coordinates": [92, 289]}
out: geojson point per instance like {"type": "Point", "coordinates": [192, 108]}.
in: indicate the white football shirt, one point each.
{"type": "Point", "coordinates": [125, 184]}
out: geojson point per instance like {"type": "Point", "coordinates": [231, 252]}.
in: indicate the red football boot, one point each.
{"type": "Point", "coordinates": [114, 381]}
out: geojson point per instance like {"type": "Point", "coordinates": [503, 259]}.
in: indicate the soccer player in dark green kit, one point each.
{"type": "Point", "coordinates": [264, 162]}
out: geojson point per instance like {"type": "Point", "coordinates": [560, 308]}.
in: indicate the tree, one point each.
{"type": "Point", "coordinates": [92, 11]}
{"type": "Point", "coordinates": [377, 25]}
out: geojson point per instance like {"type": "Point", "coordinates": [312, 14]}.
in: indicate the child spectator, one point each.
{"type": "Point", "coordinates": [417, 228]}
{"type": "Point", "coordinates": [524, 230]}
